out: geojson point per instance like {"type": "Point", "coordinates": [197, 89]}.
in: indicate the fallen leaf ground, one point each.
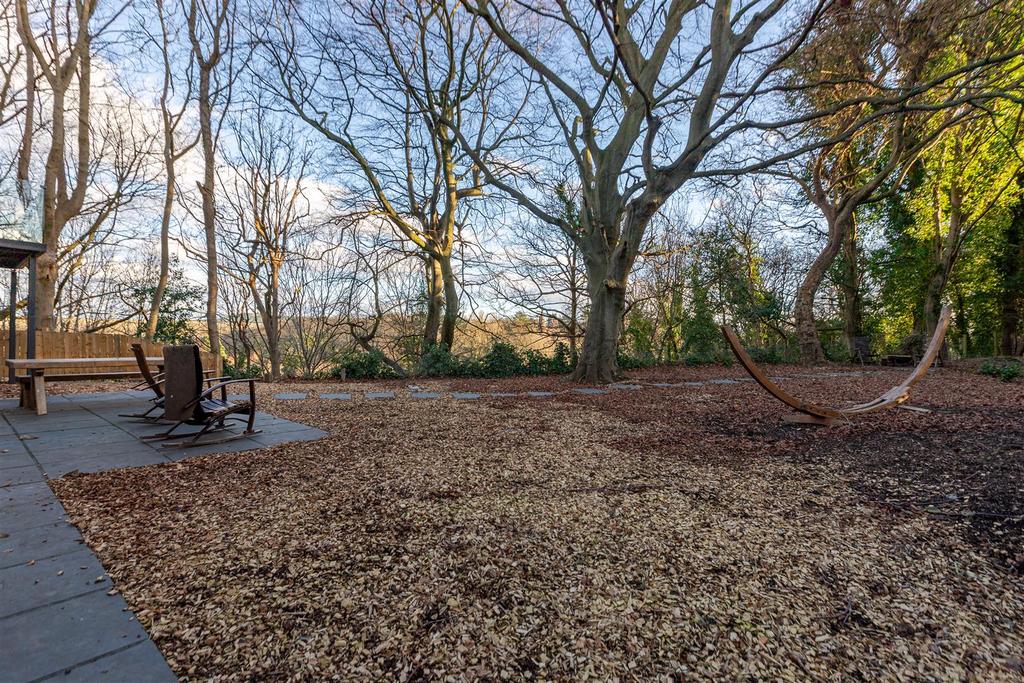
{"type": "Point", "coordinates": [681, 532]}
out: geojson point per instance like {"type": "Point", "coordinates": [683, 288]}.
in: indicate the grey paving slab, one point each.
{"type": "Point", "coordinates": [380, 394]}
{"type": "Point", "coordinates": [62, 451]}
{"type": "Point", "coordinates": [144, 456]}
{"type": "Point", "coordinates": [40, 425]}
{"type": "Point", "coordinates": [13, 476]}
{"type": "Point", "coordinates": [51, 639]}
{"type": "Point", "coordinates": [465, 395]}
{"type": "Point", "coordinates": [182, 452]}
{"type": "Point", "coordinates": [290, 396]}
{"type": "Point", "coordinates": [540, 394]}
{"type": "Point", "coordinates": [37, 543]}
{"type": "Point", "coordinates": [28, 586]}
{"type": "Point", "coordinates": [502, 394]}
{"type": "Point", "coordinates": [140, 663]}
{"type": "Point", "coordinates": [29, 514]}
{"type": "Point", "coordinates": [275, 438]}
{"type": "Point", "coordinates": [340, 396]}
{"type": "Point", "coordinates": [15, 458]}
{"type": "Point", "coordinates": [693, 384]}
{"type": "Point", "coordinates": [724, 381]}
{"type": "Point", "coordinates": [590, 391]}
{"type": "Point", "coordinates": [424, 394]}
{"type": "Point", "coordinates": [626, 387]}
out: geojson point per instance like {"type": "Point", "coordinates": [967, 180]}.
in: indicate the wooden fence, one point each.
{"type": "Point", "coordinates": [86, 345]}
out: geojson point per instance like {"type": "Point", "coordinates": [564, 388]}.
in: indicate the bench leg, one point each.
{"type": "Point", "coordinates": [39, 393]}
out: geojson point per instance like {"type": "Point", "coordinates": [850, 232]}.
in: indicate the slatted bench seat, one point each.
{"type": "Point", "coordinates": [32, 382]}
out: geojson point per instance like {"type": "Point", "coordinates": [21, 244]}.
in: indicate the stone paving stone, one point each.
{"type": "Point", "coordinates": [340, 396]}
{"type": "Point", "coordinates": [424, 394]}
{"type": "Point", "coordinates": [590, 391]}
{"type": "Point", "coordinates": [48, 580]}
{"type": "Point", "coordinates": [37, 543]}
{"type": "Point", "coordinates": [41, 425]}
{"type": "Point", "coordinates": [465, 395]}
{"type": "Point", "coordinates": [124, 446]}
{"type": "Point", "coordinates": [135, 664]}
{"type": "Point", "coordinates": [81, 437]}
{"type": "Point", "coordinates": [54, 638]}
{"type": "Point", "coordinates": [380, 394]}
{"type": "Point", "coordinates": [626, 387]}
{"type": "Point", "coordinates": [181, 452]}
{"type": "Point", "coordinates": [274, 438]}
{"type": "Point", "coordinates": [723, 381]}
{"type": "Point", "coordinates": [15, 457]}
{"type": "Point", "coordinates": [139, 458]}
{"type": "Point", "coordinates": [539, 394]}
{"type": "Point", "coordinates": [29, 514]}
{"type": "Point", "coordinates": [12, 476]}
{"type": "Point", "coordinates": [290, 396]}
{"type": "Point", "coordinates": [502, 394]}
{"type": "Point", "coordinates": [693, 384]}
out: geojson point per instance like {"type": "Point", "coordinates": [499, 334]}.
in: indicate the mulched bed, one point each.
{"type": "Point", "coordinates": [664, 532]}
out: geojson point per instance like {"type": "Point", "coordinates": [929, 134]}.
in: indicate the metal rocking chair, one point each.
{"type": "Point", "coordinates": [187, 402]}
{"type": "Point", "coordinates": [155, 384]}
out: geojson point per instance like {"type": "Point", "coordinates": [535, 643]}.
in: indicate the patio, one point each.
{"type": "Point", "coordinates": [59, 615]}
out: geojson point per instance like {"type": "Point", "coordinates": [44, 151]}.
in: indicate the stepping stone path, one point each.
{"type": "Point", "coordinates": [425, 394]}
{"type": "Point", "coordinates": [380, 394]}
{"type": "Point", "coordinates": [344, 396]}
{"type": "Point", "coordinates": [293, 396]}
{"type": "Point", "coordinates": [465, 395]}
{"type": "Point", "coordinates": [590, 391]}
{"type": "Point", "coordinates": [540, 394]}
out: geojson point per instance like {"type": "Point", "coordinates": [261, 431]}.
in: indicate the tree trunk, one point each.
{"type": "Point", "coordinates": [451, 302]}
{"type": "Point", "coordinates": [811, 351]}
{"type": "Point", "coordinates": [435, 303]}
{"type": "Point", "coordinates": [1011, 299]}
{"type": "Point", "coordinates": [209, 210]}
{"type": "Point", "coordinates": [597, 359]}
{"type": "Point", "coordinates": [165, 252]}
{"type": "Point", "coordinates": [852, 299]}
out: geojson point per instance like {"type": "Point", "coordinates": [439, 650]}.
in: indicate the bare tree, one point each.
{"type": "Point", "coordinates": [175, 97]}
{"type": "Point", "coordinates": [211, 32]}
{"type": "Point", "coordinates": [264, 192]}
{"type": "Point", "coordinates": [668, 93]}
{"type": "Point", "coordinates": [395, 87]}
{"type": "Point", "coordinates": [62, 49]}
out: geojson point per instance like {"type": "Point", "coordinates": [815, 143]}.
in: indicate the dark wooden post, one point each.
{"type": "Point", "coordinates": [30, 333]}
{"type": "Point", "coordinates": [12, 331]}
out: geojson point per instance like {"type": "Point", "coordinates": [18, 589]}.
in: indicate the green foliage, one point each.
{"type": "Point", "coordinates": [363, 365]}
{"type": "Point", "coordinates": [1005, 369]}
{"type": "Point", "coordinates": [773, 354]}
{"type": "Point", "coordinates": [242, 372]}
{"type": "Point", "coordinates": [630, 361]}
{"type": "Point", "coordinates": [501, 360]}
{"type": "Point", "coordinates": [182, 302]}
{"type": "Point", "coordinates": [438, 361]}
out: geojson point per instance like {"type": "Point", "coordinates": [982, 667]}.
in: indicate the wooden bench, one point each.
{"type": "Point", "coordinates": [32, 385]}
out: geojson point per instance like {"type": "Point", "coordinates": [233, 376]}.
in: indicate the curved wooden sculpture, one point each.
{"type": "Point", "coordinates": [813, 413]}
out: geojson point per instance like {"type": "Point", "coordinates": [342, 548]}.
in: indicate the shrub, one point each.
{"type": "Point", "coordinates": [363, 365]}
{"type": "Point", "coordinates": [628, 361]}
{"type": "Point", "coordinates": [1005, 369]}
{"type": "Point", "coordinates": [771, 354]}
{"type": "Point", "coordinates": [502, 360]}
{"type": "Point", "coordinates": [242, 371]}
{"type": "Point", "coordinates": [438, 361]}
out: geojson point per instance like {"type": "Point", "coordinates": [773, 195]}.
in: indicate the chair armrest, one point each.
{"type": "Point", "coordinates": [223, 386]}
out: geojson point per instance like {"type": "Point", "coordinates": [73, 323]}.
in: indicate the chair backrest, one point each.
{"type": "Point", "coordinates": [183, 370]}
{"type": "Point", "coordinates": [140, 358]}
{"type": "Point", "coordinates": [862, 347]}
